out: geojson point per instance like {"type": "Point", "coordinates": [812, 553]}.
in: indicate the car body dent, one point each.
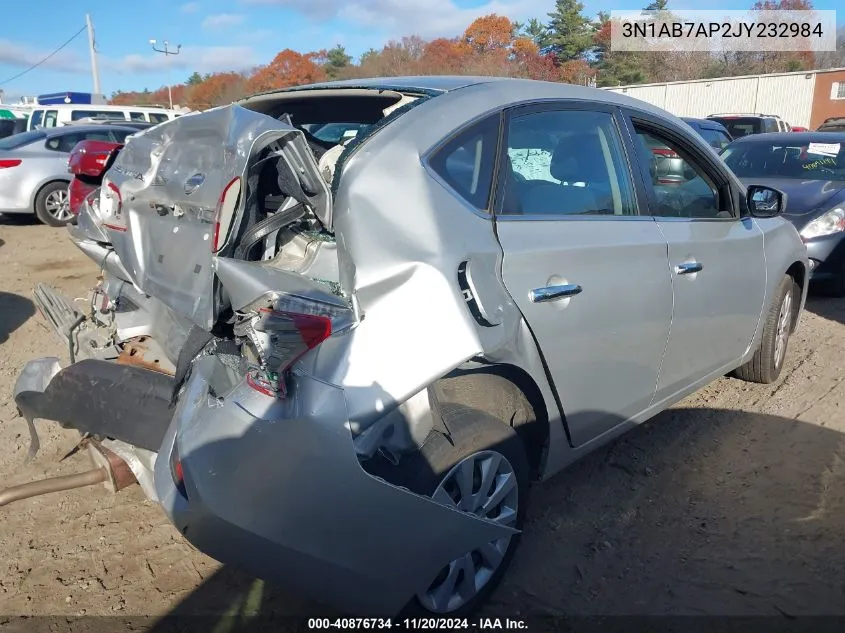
{"type": "Point", "coordinates": [169, 253]}
{"type": "Point", "coordinates": [365, 549]}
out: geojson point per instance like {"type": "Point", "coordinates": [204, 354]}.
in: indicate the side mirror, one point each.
{"type": "Point", "coordinates": [765, 202]}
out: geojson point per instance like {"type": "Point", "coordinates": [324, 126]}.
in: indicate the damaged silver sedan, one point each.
{"type": "Point", "coordinates": [340, 366]}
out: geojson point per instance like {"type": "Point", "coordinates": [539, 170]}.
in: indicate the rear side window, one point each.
{"type": "Point", "coordinates": [465, 163]}
{"type": "Point", "coordinates": [715, 138]}
{"type": "Point", "coordinates": [137, 116]}
{"type": "Point", "coordinates": [19, 140]}
{"type": "Point", "coordinates": [158, 117]}
{"type": "Point", "coordinates": [565, 162]}
{"type": "Point", "coordinates": [65, 142]}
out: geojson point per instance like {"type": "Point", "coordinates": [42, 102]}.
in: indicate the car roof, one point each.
{"type": "Point", "coordinates": [69, 129]}
{"type": "Point", "coordinates": [794, 137]}
{"type": "Point", "coordinates": [496, 91]}
{"type": "Point", "coordinates": [425, 83]}
{"type": "Point", "coordinates": [712, 123]}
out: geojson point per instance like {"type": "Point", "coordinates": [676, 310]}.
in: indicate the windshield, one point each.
{"type": "Point", "coordinates": [795, 161]}
{"type": "Point", "coordinates": [19, 140]}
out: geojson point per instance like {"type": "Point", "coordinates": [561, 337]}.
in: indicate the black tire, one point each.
{"type": "Point", "coordinates": [41, 199]}
{"type": "Point", "coordinates": [765, 367]}
{"type": "Point", "coordinates": [469, 431]}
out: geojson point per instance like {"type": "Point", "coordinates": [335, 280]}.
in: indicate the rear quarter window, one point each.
{"type": "Point", "coordinates": [465, 162]}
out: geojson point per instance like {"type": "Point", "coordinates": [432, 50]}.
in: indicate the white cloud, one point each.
{"type": "Point", "coordinates": [190, 7]}
{"type": "Point", "coordinates": [23, 56]}
{"type": "Point", "coordinates": [203, 59]}
{"type": "Point", "coordinates": [222, 21]}
{"type": "Point", "coordinates": [427, 18]}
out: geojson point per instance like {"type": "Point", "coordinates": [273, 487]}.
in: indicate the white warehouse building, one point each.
{"type": "Point", "coordinates": [804, 98]}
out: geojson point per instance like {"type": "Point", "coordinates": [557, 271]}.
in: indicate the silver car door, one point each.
{"type": "Point", "coordinates": [589, 274]}
{"type": "Point", "coordinates": [716, 259]}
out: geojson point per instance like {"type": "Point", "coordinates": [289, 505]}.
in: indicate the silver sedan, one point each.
{"type": "Point", "coordinates": [33, 169]}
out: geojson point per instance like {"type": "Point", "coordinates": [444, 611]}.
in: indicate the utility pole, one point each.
{"type": "Point", "coordinates": [167, 53]}
{"type": "Point", "coordinates": [92, 48]}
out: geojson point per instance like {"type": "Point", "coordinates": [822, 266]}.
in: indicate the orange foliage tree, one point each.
{"type": "Point", "coordinates": [216, 89]}
{"type": "Point", "coordinates": [288, 68]}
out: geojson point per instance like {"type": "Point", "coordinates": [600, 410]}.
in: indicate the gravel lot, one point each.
{"type": "Point", "coordinates": [733, 502]}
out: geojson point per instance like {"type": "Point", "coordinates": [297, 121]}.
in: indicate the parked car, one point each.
{"type": "Point", "coordinates": [87, 163]}
{"type": "Point", "coordinates": [8, 127]}
{"type": "Point", "coordinates": [50, 116]}
{"type": "Point", "coordinates": [835, 124]}
{"type": "Point", "coordinates": [34, 169]}
{"type": "Point", "coordinates": [669, 166]}
{"type": "Point", "coordinates": [809, 168]}
{"type": "Point", "coordinates": [716, 134]}
{"type": "Point", "coordinates": [798, 128]}
{"type": "Point", "coordinates": [744, 124]}
{"type": "Point", "coordinates": [347, 383]}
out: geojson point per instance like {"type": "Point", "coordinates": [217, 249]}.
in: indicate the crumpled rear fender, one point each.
{"type": "Point", "coordinates": [275, 486]}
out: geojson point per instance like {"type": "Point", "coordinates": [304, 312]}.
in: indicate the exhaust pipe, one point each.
{"type": "Point", "coordinates": [111, 470]}
{"type": "Point", "coordinates": [53, 484]}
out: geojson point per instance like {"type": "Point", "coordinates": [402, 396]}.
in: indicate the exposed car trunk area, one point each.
{"type": "Point", "coordinates": [247, 182]}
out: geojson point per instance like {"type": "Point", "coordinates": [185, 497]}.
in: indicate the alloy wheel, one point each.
{"type": "Point", "coordinates": [485, 485]}
{"type": "Point", "coordinates": [57, 205]}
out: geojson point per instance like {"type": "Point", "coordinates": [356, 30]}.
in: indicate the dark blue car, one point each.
{"type": "Point", "coordinates": [809, 167]}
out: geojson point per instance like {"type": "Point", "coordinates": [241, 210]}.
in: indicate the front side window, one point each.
{"type": "Point", "coordinates": [465, 163]}
{"type": "Point", "coordinates": [680, 186]}
{"type": "Point", "coordinates": [565, 162]}
{"type": "Point", "coordinates": [820, 160]}
{"type": "Point", "coordinates": [50, 118]}
{"type": "Point", "coordinates": [37, 118]}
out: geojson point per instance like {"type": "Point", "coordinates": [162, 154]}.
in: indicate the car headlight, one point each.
{"type": "Point", "coordinates": [831, 222]}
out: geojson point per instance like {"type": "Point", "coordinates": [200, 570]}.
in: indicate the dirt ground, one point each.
{"type": "Point", "coordinates": [731, 503]}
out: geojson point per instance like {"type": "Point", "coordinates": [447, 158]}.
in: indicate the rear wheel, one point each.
{"type": "Point", "coordinates": [766, 364]}
{"type": "Point", "coordinates": [480, 468]}
{"type": "Point", "coordinates": [52, 204]}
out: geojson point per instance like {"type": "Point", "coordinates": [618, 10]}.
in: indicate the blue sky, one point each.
{"type": "Point", "coordinates": [231, 34]}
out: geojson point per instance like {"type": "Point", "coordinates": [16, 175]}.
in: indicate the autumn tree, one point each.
{"type": "Point", "coordinates": [288, 68]}
{"type": "Point", "coordinates": [217, 89]}
{"type": "Point", "coordinates": [442, 57]}
{"type": "Point", "coordinates": [489, 34]}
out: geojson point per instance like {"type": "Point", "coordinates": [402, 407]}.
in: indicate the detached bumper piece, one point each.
{"type": "Point", "coordinates": [100, 398]}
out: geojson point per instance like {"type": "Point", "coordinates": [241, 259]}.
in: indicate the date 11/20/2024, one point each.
{"type": "Point", "coordinates": [412, 624]}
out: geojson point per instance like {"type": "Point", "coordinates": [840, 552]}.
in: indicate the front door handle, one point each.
{"type": "Point", "coordinates": [550, 293]}
{"type": "Point", "coordinates": [688, 268]}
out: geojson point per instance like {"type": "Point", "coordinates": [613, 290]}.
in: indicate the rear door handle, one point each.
{"type": "Point", "coordinates": [550, 293]}
{"type": "Point", "coordinates": [687, 268]}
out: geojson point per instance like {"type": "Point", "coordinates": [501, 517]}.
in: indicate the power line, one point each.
{"type": "Point", "coordinates": [34, 66]}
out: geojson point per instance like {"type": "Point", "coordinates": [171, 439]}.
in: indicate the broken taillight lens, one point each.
{"type": "Point", "coordinates": [111, 207]}
{"type": "Point", "coordinates": [282, 334]}
{"type": "Point", "coordinates": [176, 471]}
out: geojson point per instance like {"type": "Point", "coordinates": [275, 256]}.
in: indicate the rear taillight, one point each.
{"type": "Point", "coordinates": [280, 335]}
{"type": "Point", "coordinates": [176, 471]}
{"type": "Point", "coordinates": [89, 158]}
{"type": "Point", "coordinates": [5, 163]}
{"type": "Point", "coordinates": [111, 207]}
{"type": "Point", "coordinates": [78, 193]}
{"type": "Point", "coordinates": [225, 212]}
